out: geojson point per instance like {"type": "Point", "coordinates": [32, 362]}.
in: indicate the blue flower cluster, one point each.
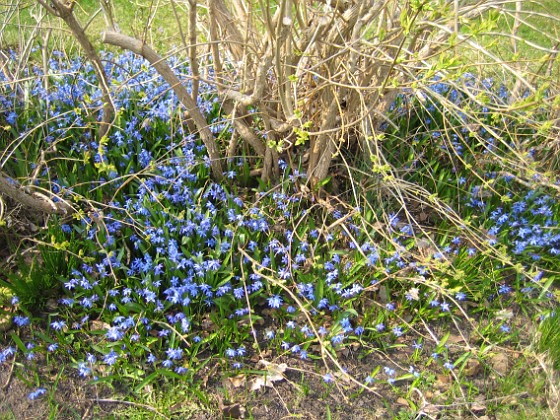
{"type": "Point", "coordinates": [172, 264]}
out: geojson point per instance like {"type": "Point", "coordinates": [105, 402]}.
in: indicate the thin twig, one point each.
{"type": "Point", "coordinates": [134, 404]}
{"type": "Point", "coordinates": [10, 374]}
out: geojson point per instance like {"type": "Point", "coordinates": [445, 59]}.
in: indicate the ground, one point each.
{"type": "Point", "coordinates": [295, 389]}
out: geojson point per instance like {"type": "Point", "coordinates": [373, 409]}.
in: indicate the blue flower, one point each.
{"type": "Point", "coordinates": [58, 325]}
{"type": "Point", "coordinates": [397, 331]}
{"type": "Point", "coordinates": [39, 392]}
{"type": "Point", "coordinates": [83, 370]}
{"type": "Point", "coordinates": [174, 354]}
{"type": "Point", "coordinates": [114, 333]}
{"type": "Point", "coordinates": [6, 354]}
{"type": "Point", "coordinates": [448, 365]}
{"type": "Point", "coordinates": [328, 378]}
{"type": "Point", "coordinates": [181, 370]}
{"type": "Point", "coordinates": [337, 339]}
{"type": "Point", "coordinates": [460, 296]}
{"type": "Point", "coordinates": [275, 301]}
{"type": "Point", "coordinates": [369, 380]}
{"type": "Point", "coordinates": [21, 321]}
{"type": "Point", "coordinates": [389, 371]}
{"type": "Point", "coordinates": [111, 357]}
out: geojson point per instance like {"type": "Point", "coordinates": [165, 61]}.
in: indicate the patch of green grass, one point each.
{"type": "Point", "coordinates": [549, 340]}
{"type": "Point", "coordinates": [519, 36]}
{"type": "Point", "coordinates": [142, 19]}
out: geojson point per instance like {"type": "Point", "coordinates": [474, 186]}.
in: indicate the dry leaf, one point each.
{"type": "Point", "coordinates": [244, 322]}
{"type": "Point", "coordinates": [343, 351]}
{"type": "Point", "coordinates": [264, 381]}
{"type": "Point", "coordinates": [342, 376]}
{"type": "Point", "coordinates": [472, 368]}
{"type": "Point", "coordinates": [273, 367]}
{"type": "Point", "coordinates": [207, 374]}
{"type": "Point", "coordinates": [237, 381]}
{"type": "Point", "coordinates": [256, 358]}
{"type": "Point", "coordinates": [207, 324]}
{"type": "Point", "coordinates": [431, 409]}
{"type": "Point", "coordinates": [454, 339]}
{"type": "Point", "coordinates": [414, 293]}
{"type": "Point", "coordinates": [504, 314]}
{"type": "Point", "coordinates": [500, 363]}
{"type": "Point", "coordinates": [443, 381]}
{"type": "Point", "coordinates": [383, 294]}
{"type": "Point", "coordinates": [274, 373]}
{"type": "Point", "coordinates": [478, 407]}
{"type": "Point", "coordinates": [5, 321]}
{"type": "Point", "coordinates": [234, 411]}
{"type": "Point", "coordinates": [96, 325]}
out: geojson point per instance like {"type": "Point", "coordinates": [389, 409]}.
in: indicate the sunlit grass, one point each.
{"type": "Point", "coordinates": [27, 23]}
{"type": "Point", "coordinates": [549, 340]}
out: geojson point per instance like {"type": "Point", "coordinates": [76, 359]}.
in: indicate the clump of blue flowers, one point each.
{"type": "Point", "coordinates": [164, 264]}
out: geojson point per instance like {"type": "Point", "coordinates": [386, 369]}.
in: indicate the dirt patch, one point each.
{"type": "Point", "coordinates": [277, 386]}
{"type": "Point", "coordinates": [67, 397]}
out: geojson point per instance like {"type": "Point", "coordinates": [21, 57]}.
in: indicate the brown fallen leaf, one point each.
{"type": "Point", "coordinates": [431, 409]}
{"type": "Point", "coordinates": [383, 294]}
{"type": "Point", "coordinates": [472, 368]}
{"type": "Point", "coordinates": [234, 411]}
{"type": "Point", "coordinates": [274, 373]}
{"type": "Point", "coordinates": [96, 325]}
{"type": "Point", "coordinates": [500, 363]}
{"type": "Point", "coordinates": [454, 339]}
{"type": "Point", "coordinates": [237, 381]}
{"type": "Point", "coordinates": [443, 381]}
{"type": "Point", "coordinates": [478, 407]}
{"type": "Point", "coordinates": [5, 322]}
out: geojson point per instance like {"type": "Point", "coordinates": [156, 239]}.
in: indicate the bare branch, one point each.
{"type": "Point", "coordinates": [108, 14]}
{"type": "Point", "coordinates": [52, 10]}
{"type": "Point", "coordinates": [230, 31]}
{"type": "Point", "coordinates": [140, 48]}
{"type": "Point", "coordinates": [192, 48]}
{"type": "Point", "coordinates": [260, 85]}
{"type": "Point", "coordinates": [65, 12]}
{"type": "Point", "coordinates": [34, 200]}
